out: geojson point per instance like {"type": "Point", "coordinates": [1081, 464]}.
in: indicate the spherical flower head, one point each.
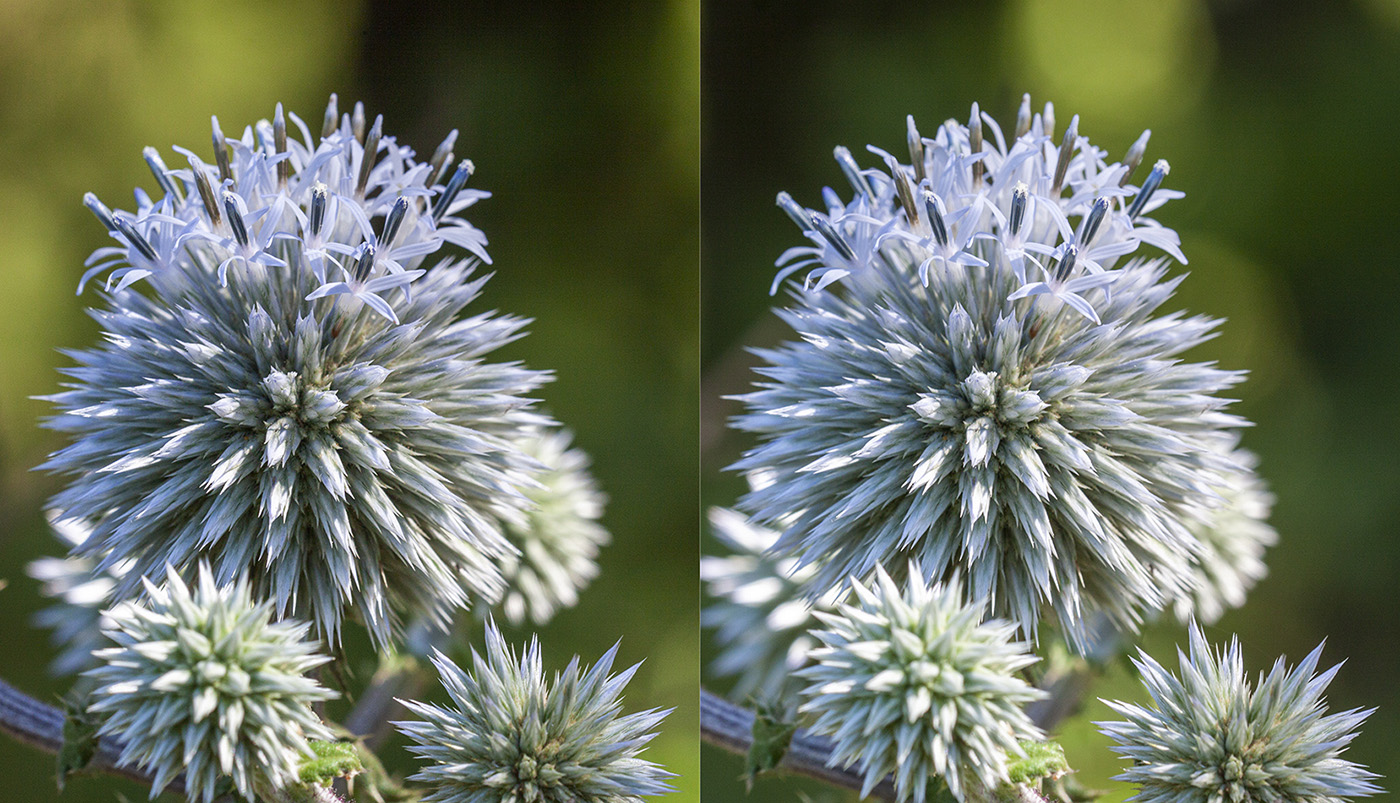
{"type": "Point", "coordinates": [1212, 737]}
{"type": "Point", "coordinates": [81, 593]}
{"type": "Point", "coordinates": [1051, 448]}
{"type": "Point", "coordinates": [202, 682]}
{"type": "Point", "coordinates": [339, 448]}
{"type": "Point", "coordinates": [513, 736]}
{"type": "Point", "coordinates": [1232, 543]}
{"type": "Point", "coordinates": [559, 538]}
{"type": "Point", "coordinates": [915, 683]}
{"type": "Point", "coordinates": [760, 616]}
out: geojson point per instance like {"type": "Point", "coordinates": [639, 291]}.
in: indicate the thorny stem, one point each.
{"type": "Point", "coordinates": [40, 725]}
{"type": "Point", "coordinates": [729, 726]}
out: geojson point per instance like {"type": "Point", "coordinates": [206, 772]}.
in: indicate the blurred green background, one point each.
{"type": "Point", "coordinates": [583, 122]}
{"type": "Point", "coordinates": [1280, 120]}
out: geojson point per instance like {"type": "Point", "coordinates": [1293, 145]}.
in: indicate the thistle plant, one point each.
{"type": "Point", "coordinates": [988, 427]}
{"type": "Point", "coordinates": [1211, 736]}
{"type": "Point", "coordinates": [914, 683]}
{"type": "Point", "coordinates": [201, 681]}
{"type": "Point", "coordinates": [292, 422]}
{"type": "Point", "coordinates": [512, 735]}
{"type": "Point", "coordinates": [298, 398]}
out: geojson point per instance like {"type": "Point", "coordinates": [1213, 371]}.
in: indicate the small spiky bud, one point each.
{"type": "Point", "coordinates": [203, 682]}
{"type": "Point", "coordinates": [984, 388]}
{"type": "Point", "coordinates": [762, 620]}
{"type": "Point", "coordinates": [1212, 737]}
{"type": "Point", "coordinates": [283, 406]}
{"type": "Point", "coordinates": [558, 539]}
{"type": "Point", "coordinates": [914, 683]}
{"type": "Point", "coordinates": [512, 736]}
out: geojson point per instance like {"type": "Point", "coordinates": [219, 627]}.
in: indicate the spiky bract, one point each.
{"type": "Point", "coordinates": [1051, 448]}
{"type": "Point", "coordinates": [1232, 546]}
{"type": "Point", "coordinates": [1212, 737]}
{"type": "Point", "coordinates": [511, 736]}
{"type": "Point", "coordinates": [915, 683]}
{"type": "Point", "coordinates": [759, 614]}
{"type": "Point", "coordinates": [81, 592]}
{"type": "Point", "coordinates": [202, 682]}
{"type": "Point", "coordinates": [559, 538]}
{"type": "Point", "coordinates": [336, 456]}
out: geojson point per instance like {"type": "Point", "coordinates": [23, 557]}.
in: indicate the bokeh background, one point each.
{"type": "Point", "coordinates": [1279, 119]}
{"type": "Point", "coordinates": [582, 121]}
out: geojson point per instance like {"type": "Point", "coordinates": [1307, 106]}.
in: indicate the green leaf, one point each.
{"type": "Point", "coordinates": [79, 737]}
{"type": "Point", "coordinates": [333, 760]}
{"type": "Point", "coordinates": [1043, 760]}
{"type": "Point", "coordinates": [772, 733]}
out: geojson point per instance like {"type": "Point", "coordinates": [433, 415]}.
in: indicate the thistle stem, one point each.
{"type": "Point", "coordinates": [730, 727]}
{"type": "Point", "coordinates": [369, 719]}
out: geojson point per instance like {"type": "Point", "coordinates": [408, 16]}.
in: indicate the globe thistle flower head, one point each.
{"type": "Point", "coordinates": [558, 540]}
{"type": "Point", "coordinates": [203, 682]}
{"type": "Point", "coordinates": [760, 616]}
{"type": "Point", "coordinates": [915, 683]}
{"type": "Point", "coordinates": [1232, 543]}
{"type": "Point", "coordinates": [81, 593]}
{"type": "Point", "coordinates": [989, 389]}
{"type": "Point", "coordinates": [297, 396]}
{"type": "Point", "coordinates": [1213, 737]}
{"type": "Point", "coordinates": [514, 736]}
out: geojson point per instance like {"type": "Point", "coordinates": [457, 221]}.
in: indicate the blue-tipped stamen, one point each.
{"type": "Point", "coordinates": [392, 221]}
{"type": "Point", "coordinates": [235, 218]}
{"type": "Point", "coordinates": [1066, 153]}
{"type": "Point", "coordinates": [933, 205]}
{"type": "Point", "coordinates": [317, 219]}
{"type": "Point", "coordinates": [1020, 199]}
{"type": "Point", "coordinates": [852, 171]}
{"type": "Point", "coordinates": [221, 152]}
{"type": "Point", "coordinates": [1154, 180]}
{"type": "Point", "coordinates": [442, 157]}
{"type": "Point", "coordinates": [916, 149]}
{"type": "Point", "coordinates": [279, 142]}
{"type": "Point", "coordinates": [1064, 263]}
{"type": "Point", "coordinates": [139, 242]}
{"type": "Point", "coordinates": [100, 210]}
{"type": "Point", "coordinates": [162, 173]}
{"type": "Point", "coordinates": [364, 262]}
{"type": "Point", "coordinates": [1134, 157]}
{"type": "Point", "coordinates": [370, 155]}
{"type": "Point", "coordinates": [831, 235]}
{"type": "Point", "coordinates": [206, 191]}
{"type": "Point", "coordinates": [1092, 221]}
{"type": "Point", "coordinates": [454, 186]}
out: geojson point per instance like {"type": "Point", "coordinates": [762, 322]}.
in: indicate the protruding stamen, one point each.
{"type": "Point", "coordinates": [206, 191]}
{"type": "Point", "coordinates": [974, 139]}
{"type": "Point", "coordinates": [794, 210]}
{"type": "Point", "coordinates": [1023, 116]}
{"type": "Point", "coordinates": [1092, 221]}
{"type": "Point", "coordinates": [442, 157]}
{"type": "Point", "coordinates": [104, 215]}
{"type": "Point", "coordinates": [364, 262]}
{"type": "Point", "coordinates": [221, 153]}
{"type": "Point", "coordinates": [279, 141]}
{"type": "Point", "coordinates": [1047, 120]}
{"type": "Point", "coordinates": [933, 205]}
{"type": "Point", "coordinates": [235, 218]}
{"type": "Point", "coordinates": [318, 209]}
{"type": "Point", "coordinates": [159, 170]}
{"type": "Point", "coordinates": [392, 221]}
{"type": "Point", "coordinates": [357, 122]}
{"type": "Point", "coordinates": [134, 237]}
{"type": "Point", "coordinates": [1154, 180]}
{"type": "Point", "coordinates": [1066, 152]}
{"type": "Point", "coordinates": [916, 150]}
{"type": "Point", "coordinates": [834, 237]}
{"type": "Point", "coordinates": [904, 188]}
{"type": "Point", "coordinates": [1134, 157]}
{"type": "Point", "coordinates": [371, 153]}
{"type": "Point", "coordinates": [454, 186]}
{"type": "Point", "coordinates": [1064, 264]}
{"type": "Point", "coordinates": [332, 118]}
{"type": "Point", "coordinates": [1020, 197]}
{"type": "Point", "coordinates": [852, 171]}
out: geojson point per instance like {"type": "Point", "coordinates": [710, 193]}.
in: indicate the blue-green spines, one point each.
{"type": "Point", "coordinates": [913, 683]}
{"type": "Point", "coordinates": [202, 682]}
{"type": "Point", "coordinates": [983, 386]}
{"type": "Point", "coordinates": [511, 735]}
{"type": "Point", "coordinates": [1212, 736]}
{"type": "Point", "coordinates": [298, 400]}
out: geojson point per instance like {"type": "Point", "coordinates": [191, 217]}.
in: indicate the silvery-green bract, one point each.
{"type": "Point", "coordinates": [559, 538]}
{"type": "Point", "coordinates": [81, 592]}
{"type": "Point", "coordinates": [915, 684]}
{"type": "Point", "coordinates": [294, 395]}
{"type": "Point", "coordinates": [202, 682]}
{"type": "Point", "coordinates": [512, 736]}
{"type": "Point", "coordinates": [982, 385]}
{"type": "Point", "coordinates": [757, 609]}
{"type": "Point", "coordinates": [1213, 737]}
